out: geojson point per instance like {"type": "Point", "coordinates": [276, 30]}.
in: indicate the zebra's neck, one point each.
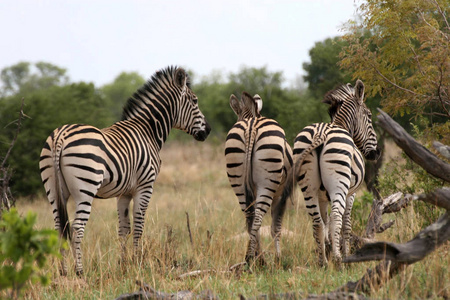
{"type": "Point", "coordinates": [153, 117]}
{"type": "Point", "coordinates": [344, 118]}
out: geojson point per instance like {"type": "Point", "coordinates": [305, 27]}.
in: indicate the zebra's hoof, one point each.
{"type": "Point", "coordinates": [79, 273]}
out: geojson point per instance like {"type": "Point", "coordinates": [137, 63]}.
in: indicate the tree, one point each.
{"type": "Point", "coordinates": [405, 59]}
{"type": "Point", "coordinates": [323, 73]}
{"type": "Point", "coordinates": [292, 108]}
{"type": "Point", "coordinates": [19, 78]}
{"type": "Point", "coordinates": [46, 109]}
{"type": "Point", "coordinates": [122, 88]}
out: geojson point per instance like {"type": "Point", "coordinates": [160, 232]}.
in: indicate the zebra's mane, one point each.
{"type": "Point", "coordinates": [157, 82]}
{"type": "Point", "coordinates": [337, 96]}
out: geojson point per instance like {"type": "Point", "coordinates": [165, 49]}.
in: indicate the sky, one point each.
{"type": "Point", "coordinates": [96, 40]}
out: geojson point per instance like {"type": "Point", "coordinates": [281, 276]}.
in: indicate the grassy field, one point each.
{"type": "Point", "coordinates": [193, 181]}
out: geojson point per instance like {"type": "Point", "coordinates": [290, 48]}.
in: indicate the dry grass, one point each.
{"type": "Point", "coordinates": [193, 180]}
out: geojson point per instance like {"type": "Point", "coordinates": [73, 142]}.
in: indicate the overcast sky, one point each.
{"type": "Point", "coordinates": [95, 40]}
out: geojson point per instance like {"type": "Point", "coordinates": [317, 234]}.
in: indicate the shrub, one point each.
{"type": "Point", "coordinates": [24, 251]}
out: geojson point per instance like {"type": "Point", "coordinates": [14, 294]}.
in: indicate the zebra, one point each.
{"type": "Point", "coordinates": [329, 165]}
{"type": "Point", "coordinates": [121, 161]}
{"type": "Point", "coordinates": [258, 161]}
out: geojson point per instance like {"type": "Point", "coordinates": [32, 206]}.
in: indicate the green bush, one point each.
{"type": "Point", "coordinates": [24, 252]}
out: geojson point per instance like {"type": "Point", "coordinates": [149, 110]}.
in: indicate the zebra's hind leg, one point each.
{"type": "Point", "coordinates": [83, 211]}
{"type": "Point", "coordinates": [319, 237]}
{"type": "Point", "coordinates": [254, 245]}
{"type": "Point", "coordinates": [123, 211]}
{"type": "Point", "coordinates": [347, 225]}
{"type": "Point", "coordinates": [337, 211]}
{"type": "Point", "coordinates": [278, 210]}
{"type": "Point", "coordinates": [323, 207]}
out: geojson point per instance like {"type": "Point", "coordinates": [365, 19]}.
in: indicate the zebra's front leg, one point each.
{"type": "Point", "coordinates": [347, 225]}
{"type": "Point", "coordinates": [140, 206]}
{"type": "Point", "coordinates": [83, 211]}
{"type": "Point", "coordinates": [123, 212]}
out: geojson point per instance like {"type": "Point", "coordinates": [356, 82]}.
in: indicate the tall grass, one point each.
{"type": "Point", "coordinates": [193, 181]}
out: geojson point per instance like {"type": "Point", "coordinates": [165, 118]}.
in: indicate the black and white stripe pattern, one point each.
{"type": "Point", "coordinates": [258, 162]}
{"type": "Point", "coordinates": [119, 161]}
{"type": "Point", "coordinates": [330, 166]}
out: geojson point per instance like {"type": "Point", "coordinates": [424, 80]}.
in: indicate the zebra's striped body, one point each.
{"type": "Point", "coordinates": [119, 161]}
{"type": "Point", "coordinates": [330, 165]}
{"type": "Point", "coordinates": [258, 162]}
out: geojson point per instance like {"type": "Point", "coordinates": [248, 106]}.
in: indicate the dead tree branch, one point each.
{"type": "Point", "coordinates": [5, 193]}
{"type": "Point", "coordinates": [444, 150]}
{"type": "Point", "coordinates": [397, 256]}
{"type": "Point", "coordinates": [418, 153]}
{"type": "Point", "coordinates": [189, 228]}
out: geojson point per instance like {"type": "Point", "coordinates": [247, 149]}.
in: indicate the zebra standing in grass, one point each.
{"type": "Point", "coordinates": [329, 165]}
{"type": "Point", "coordinates": [119, 161]}
{"type": "Point", "coordinates": [258, 162]}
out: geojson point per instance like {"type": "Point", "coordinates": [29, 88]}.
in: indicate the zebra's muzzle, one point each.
{"type": "Point", "coordinates": [201, 135]}
{"type": "Point", "coordinates": [373, 154]}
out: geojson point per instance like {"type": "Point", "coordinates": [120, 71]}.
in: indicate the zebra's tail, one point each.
{"type": "Point", "coordinates": [318, 139]}
{"type": "Point", "coordinates": [61, 202]}
{"type": "Point", "coordinates": [248, 168]}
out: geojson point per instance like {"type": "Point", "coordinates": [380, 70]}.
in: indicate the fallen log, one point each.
{"type": "Point", "coordinates": [147, 292]}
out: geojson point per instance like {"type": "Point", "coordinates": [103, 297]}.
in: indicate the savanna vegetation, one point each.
{"type": "Point", "coordinates": [400, 49]}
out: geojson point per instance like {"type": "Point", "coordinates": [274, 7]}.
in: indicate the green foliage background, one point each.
{"type": "Point", "coordinates": [399, 49]}
{"type": "Point", "coordinates": [51, 101]}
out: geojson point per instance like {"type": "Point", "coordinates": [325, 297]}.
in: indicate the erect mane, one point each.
{"type": "Point", "coordinates": [157, 82]}
{"type": "Point", "coordinates": [337, 96]}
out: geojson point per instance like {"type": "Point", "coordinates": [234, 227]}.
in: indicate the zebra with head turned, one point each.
{"type": "Point", "coordinates": [120, 161]}
{"type": "Point", "coordinates": [329, 165]}
{"type": "Point", "coordinates": [258, 162]}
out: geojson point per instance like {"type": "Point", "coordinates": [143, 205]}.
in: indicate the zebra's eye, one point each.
{"type": "Point", "coordinates": [195, 100]}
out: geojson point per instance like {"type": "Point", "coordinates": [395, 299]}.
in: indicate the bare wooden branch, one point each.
{"type": "Point", "coordinates": [397, 256]}
{"type": "Point", "coordinates": [416, 249]}
{"type": "Point", "coordinates": [385, 226]}
{"type": "Point", "coordinates": [392, 203]}
{"type": "Point", "coordinates": [418, 153]}
{"type": "Point", "coordinates": [19, 124]}
{"type": "Point", "coordinates": [439, 197]}
{"type": "Point", "coordinates": [444, 150]}
{"type": "Point", "coordinates": [373, 279]}
{"type": "Point", "coordinates": [189, 228]}
{"type": "Point", "coordinates": [6, 198]}
{"type": "Point", "coordinates": [147, 292]}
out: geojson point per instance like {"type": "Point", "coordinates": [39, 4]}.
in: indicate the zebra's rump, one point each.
{"type": "Point", "coordinates": [333, 152]}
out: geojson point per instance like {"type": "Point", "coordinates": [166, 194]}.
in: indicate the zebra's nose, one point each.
{"type": "Point", "coordinates": [201, 135]}
{"type": "Point", "coordinates": [373, 154]}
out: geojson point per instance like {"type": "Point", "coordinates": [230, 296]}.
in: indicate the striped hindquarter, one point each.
{"type": "Point", "coordinates": [330, 173]}
{"type": "Point", "coordinates": [258, 160]}
{"type": "Point", "coordinates": [120, 161]}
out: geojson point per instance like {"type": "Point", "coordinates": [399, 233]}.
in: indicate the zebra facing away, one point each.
{"type": "Point", "coordinates": [120, 161]}
{"type": "Point", "coordinates": [329, 165]}
{"type": "Point", "coordinates": [258, 161]}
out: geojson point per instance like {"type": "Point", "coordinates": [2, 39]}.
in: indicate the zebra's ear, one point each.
{"type": "Point", "coordinates": [259, 102]}
{"type": "Point", "coordinates": [180, 77]}
{"type": "Point", "coordinates": [359, 89]}
{"type": "Point", "coordinates": [250, 104]}
{"type": "Point", "coordinates": [236, 105]}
